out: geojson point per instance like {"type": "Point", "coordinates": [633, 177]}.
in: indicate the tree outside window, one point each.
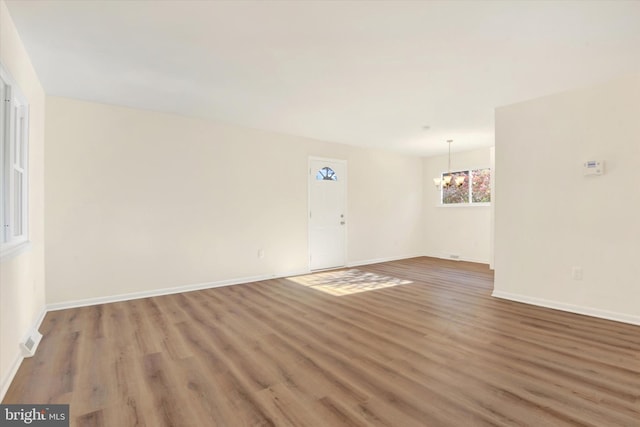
{"type": "Point", "coordinates": [481, 186]}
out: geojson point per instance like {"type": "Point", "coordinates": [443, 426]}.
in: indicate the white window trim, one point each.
{"type": "Point", "coordinates": [463, 205]}
{"type": "Point", "coordinates": [14, 144]}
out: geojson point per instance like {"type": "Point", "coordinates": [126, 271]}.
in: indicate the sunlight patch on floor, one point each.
{"type": "Point", "coordinates": [347, 282]}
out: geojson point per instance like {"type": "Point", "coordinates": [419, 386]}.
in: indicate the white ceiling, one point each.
{"type": "Point", "coordinates": [369, 73]}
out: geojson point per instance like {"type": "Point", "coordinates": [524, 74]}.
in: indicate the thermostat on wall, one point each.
{"type": "Point", "coordinates": [594, 167]}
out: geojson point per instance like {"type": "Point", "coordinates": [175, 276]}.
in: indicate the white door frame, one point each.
{"type": "Point", "coordinates": [346, 213]}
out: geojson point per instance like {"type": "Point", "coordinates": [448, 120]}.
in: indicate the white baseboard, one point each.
{"type": "Point", "coordinates": [8, 378]}
{"type": "Point", "coordinates": [588, 311]}
{"type": "Point", "coordinates": [167, 291]}
{"type": "Point", "coordinates": [379, 260]}
{"type": "Point", "coordinates": [476, 261]}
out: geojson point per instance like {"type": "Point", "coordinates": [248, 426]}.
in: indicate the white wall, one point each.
{"type": "Point", "coordinates": [550, 218]}
{"type": "Point", "coordinates": [461, 230]}
{"type": "Point", "coordinates": [22, 295]}
{"type": "Point", "coordinates": [139, 201]}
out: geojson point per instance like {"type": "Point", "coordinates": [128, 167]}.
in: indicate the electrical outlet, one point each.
{"type": "Point", "coordinates": [260, 253]}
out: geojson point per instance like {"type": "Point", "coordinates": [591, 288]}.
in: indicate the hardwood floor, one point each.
{"type": "Point", "coordinates": [437, 351]}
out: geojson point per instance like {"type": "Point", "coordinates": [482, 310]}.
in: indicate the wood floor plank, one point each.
{"type": "Point", "coordinates": [286, 407]}
{"type": "Point", "coordinates": [435, 349]}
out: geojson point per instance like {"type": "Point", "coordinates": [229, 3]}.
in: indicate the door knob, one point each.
{"type": "Point", "coordinates": [341, 222]}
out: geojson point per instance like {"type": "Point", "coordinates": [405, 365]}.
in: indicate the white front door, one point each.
{"type": "Point", "coordinates": [327, 213]}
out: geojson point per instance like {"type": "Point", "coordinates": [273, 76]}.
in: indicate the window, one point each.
{"type": "Point", "coordinates": [326, 174]}
{"type": "Point", "coordinates": [14, 128]}
{"type": "Point", "coordinates": [474, 192]}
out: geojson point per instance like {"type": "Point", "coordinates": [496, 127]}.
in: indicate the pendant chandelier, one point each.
{"type": "Point", "coordinates": [446, 180]}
